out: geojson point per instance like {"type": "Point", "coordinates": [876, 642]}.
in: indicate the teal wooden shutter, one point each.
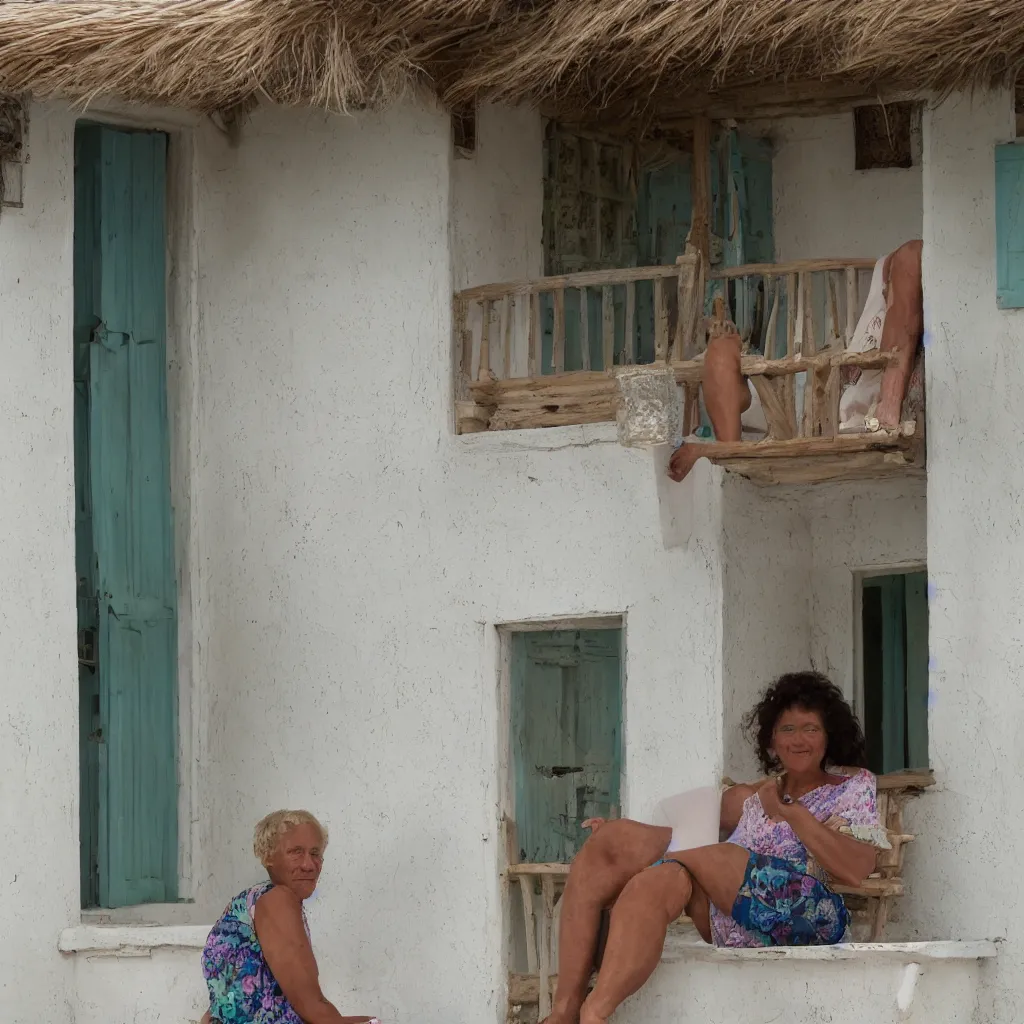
{"type": "Point", "coordinates": [129, 484]}
{"type": "Point", "coordinates": [90, 728]}
{"type": "Point", "coordinates": [566, 735]}
{"type": "Point", "coordinates": [916, 584]}
{"type": "Point", "coordinates": [1010, 226]}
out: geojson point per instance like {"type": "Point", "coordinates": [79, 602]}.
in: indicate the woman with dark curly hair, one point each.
{"type": "Point", "coordinates": [813, 821]}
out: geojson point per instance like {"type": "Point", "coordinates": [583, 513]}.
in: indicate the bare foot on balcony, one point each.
{"type": "Point", "coordinates": [683, 460]}
{"type": "Point", "coordinates": [587, 1016]}
{"type": "Point", "coordinates": [560, 1018]}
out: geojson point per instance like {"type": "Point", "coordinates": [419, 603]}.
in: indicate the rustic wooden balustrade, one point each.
{"type": "Point", "coordinates": [796, 320]}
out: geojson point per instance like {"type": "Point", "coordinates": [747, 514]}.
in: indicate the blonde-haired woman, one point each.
{"type": "Point", "coordinates": [258, 961]}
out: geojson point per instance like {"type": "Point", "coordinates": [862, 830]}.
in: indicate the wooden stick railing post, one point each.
{"type": "Point", "coordinates": [465, 336]}
{"type": "Point", "coordinates": [835, 334]}
{"type": "Point", "coordinates": [629, 352]}
{"type": "Point", "coordinates": [808, 348]}
{"type": "Point", "coordinates": [810, 345]}
{"type": "Point", "coordinates": [547, 884]}
{"type": "Point", "coordinates": [852, 304]}
{"type": "Point", "coordinates": [484, 372]}
{"type": "Point", "coordinates": [791, 304]}
{"type": "Point", "coordinates": [660, 322]}
{"type": "Point", "coordinates": [775, 300]}
{"type": "Point", "coordinates": [607, 326]}
{"type": "Point", "coordinates": [584, 329]}
{"type": "Point", "coordinates": [533, 358]}
{"type": "Point", "coordinates": [507, 312]}
{"type": "Point", "coordinates": [558, 336]}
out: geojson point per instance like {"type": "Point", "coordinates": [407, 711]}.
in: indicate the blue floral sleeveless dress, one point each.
{"type": "Point", "coordinates": [242, 988]}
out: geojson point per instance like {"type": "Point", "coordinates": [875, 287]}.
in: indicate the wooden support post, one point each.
{"type": "Point", "coordinates": [629, 351]}
{"type": "Point", "coordinates": [700, 219]}
{"type": "Point", "coordinates": [661, 352]}
{"type": "Point", "coordinates": [484, 372]}
{"type": "Point", "coordinates": [533, 365]}
{"type": "Point", "coordinates": [558, 336]}
{"type": "Point", "coordinates": [584, 330]}
{"type": "Point", "coordinates": [608, 326]}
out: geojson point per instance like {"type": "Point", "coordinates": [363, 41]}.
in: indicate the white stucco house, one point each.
{"type": "Point", "coordinates": [322, 547]}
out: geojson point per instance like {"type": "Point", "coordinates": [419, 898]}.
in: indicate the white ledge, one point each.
{"type": "Point", "coordinates": [131, 940]}
{"type": "Point", "coordinates": [539, 439]}
{"type": "Point", "coordinates": [683, 948]}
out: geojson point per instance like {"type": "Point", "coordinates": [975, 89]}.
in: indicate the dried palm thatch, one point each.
{"type": "Point", "coordinates": [562, 55]}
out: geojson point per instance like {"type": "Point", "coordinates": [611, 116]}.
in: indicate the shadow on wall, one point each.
{"type": "Point", "coordinates": [688, 510]}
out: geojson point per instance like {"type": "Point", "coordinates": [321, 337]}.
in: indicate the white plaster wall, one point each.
{"type": "Point", "coordinates": [823, 207]}
{"type": "Point", "coordinates": [975, 375]}
{"type": "Point", "coordinates": [39, 684]}
{"type": "Point", "coordinates": [766, 604]}
{"type": "Point", "coordinates": [497, 200]}
{"type": "Point", "coordinates": [790, 562]}
{"type": "Point", "coordinates": [349, 558]}
{"type": "Point", "coordinates": [355, 554]}
{"type": "Point", "coordinates": [870, 525]}
{"type": "Point", "coordinates": [164, 986]}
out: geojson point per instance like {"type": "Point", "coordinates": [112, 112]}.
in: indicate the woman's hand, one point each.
{"type": "Point", "coordinates": [593, 824]}
{"type": "Point", "coordinates": [770, 795]}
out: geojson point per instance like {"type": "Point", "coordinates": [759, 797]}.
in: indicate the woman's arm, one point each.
{"type": "Point", "coordinates": [846, 859]}
{"type": "Point", "coordinates": [733, 800]}
{"type": "Point", "coordinates": [281, 933]}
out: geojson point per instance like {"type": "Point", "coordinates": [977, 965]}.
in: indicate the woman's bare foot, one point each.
{"type": "Point", "coordinates": [683, 460]}
{"type": "Point", "coordinates": [560, 1018]}
{"type": "Point", "coordinates": [588, 1016]}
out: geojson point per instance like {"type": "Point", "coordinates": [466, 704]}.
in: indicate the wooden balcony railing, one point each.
{"type": "Point", "coordinates": [539, 354]}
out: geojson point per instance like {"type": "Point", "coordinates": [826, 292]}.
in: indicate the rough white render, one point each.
{"type": "Point", "coordinates": [823, 207]}
{"type": "Point", "coordinates": [39, 723]}
{"type": "Point", "coordinates": [976, 482]}
{"type": "Point", "coordinates": [350, 558]}
{"type": "Point", "coordinates": [766, 604]}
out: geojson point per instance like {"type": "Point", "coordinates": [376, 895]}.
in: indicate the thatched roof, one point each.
{"type": "Point", "coordinates": [564, 55]}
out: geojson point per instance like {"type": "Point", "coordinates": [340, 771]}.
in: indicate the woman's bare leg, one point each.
{"type": "Point", "coordinates": [608, 860]}
{"type": "Point", "coordinates": [649, 903]}
{"type": "Point", "coordinates": [726, 399]}
{"type": "Point", "coordinates": [647, 906]}
{"type": "Point", "coordinates": [904, 325]}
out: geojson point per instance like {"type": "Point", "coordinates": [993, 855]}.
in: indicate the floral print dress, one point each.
{"type": "Point", "coordinates": [242, 988]}
{"type": "Point", "coordinates": [785, 898]}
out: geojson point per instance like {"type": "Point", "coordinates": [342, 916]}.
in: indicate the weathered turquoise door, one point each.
{"type": "Point", "coordinates": [127, 590]}
{"type": "Point", "coordinates": [566, 737]}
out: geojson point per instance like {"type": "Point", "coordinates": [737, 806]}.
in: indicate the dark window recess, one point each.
{"type": "Point", "coordinates": [882, 136]}
{"type": "Point", "coordinates": [464, 131]}
{"type": "Point", "coordinates": [894, 631]}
